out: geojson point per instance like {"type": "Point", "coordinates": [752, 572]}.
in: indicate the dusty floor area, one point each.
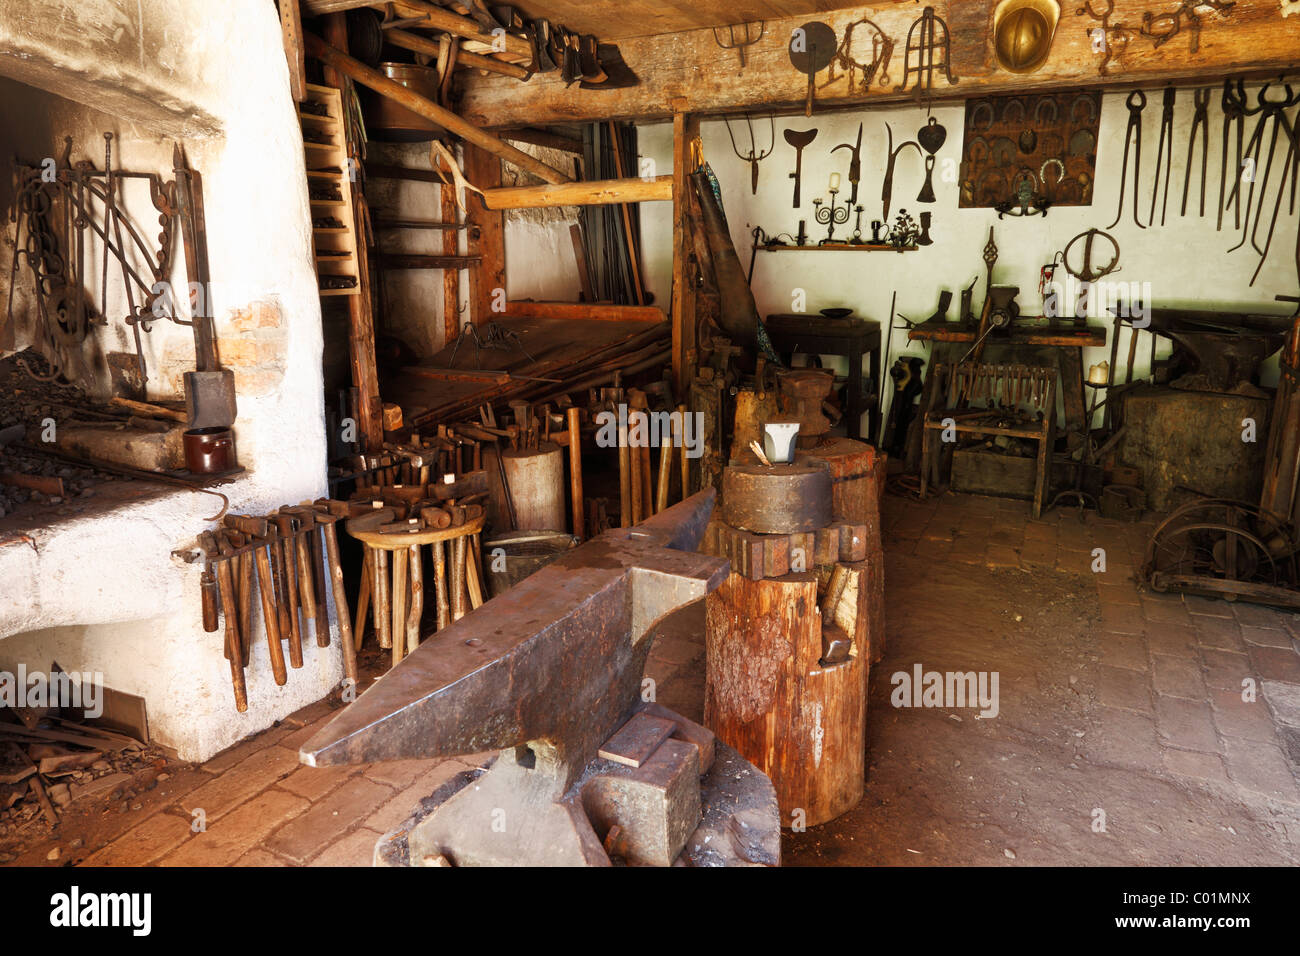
{"type": "Point", "coordinates": [1116, 706]}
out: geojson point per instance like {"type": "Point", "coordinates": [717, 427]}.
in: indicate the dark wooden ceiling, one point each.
{"type": "Point", "coordinates": [615, 19]}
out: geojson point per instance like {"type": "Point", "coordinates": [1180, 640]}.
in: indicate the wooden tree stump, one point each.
{"type": "Point", "coordinates": [857, 484]}
{"type": "Point", "coordinates": [769, 696]}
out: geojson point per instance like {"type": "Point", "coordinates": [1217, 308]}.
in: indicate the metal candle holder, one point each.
{"type": "Point", "coordinates": [831, 216]}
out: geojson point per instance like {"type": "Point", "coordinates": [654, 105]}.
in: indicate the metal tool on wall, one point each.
{"type": "Point", "coordinates": [928, 49]}
{"type": "Point", "coordinates": [931, 138]}
{"type": "Point", "coordinates": [1136, 103]}
{"type": "Point", "coordinates": [881, 49]}
{"type": "Point", "coordinates": [1270, 112]}
{"type": "Point", "coordinates": [812, 48]}
{"type": "Point", "coordinates": [746, 38]}
{"type": "Point", "coordinates": [855, 163]}
{"type": "Point", "coordinates": [1085, 271]}
{"type": "Point", "coordinates": [1201, 121]}
{"type": "Point", "coordinates": [1167, 154]}
{"type": "Point", "coordinates": [800, 140]}
{"type": "Point", "coordinates": [887, 187]}
{"type": "Point", "coordinates": [1233, 104]}
{"type": "Point", "coordinates": [755, 155]}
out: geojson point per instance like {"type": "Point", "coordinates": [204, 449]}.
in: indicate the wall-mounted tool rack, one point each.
{"type": "Point", "coordinates": [334, 237]}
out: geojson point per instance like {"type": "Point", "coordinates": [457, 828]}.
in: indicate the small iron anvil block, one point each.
{"type": "Point", "coordinates": [549, 674]}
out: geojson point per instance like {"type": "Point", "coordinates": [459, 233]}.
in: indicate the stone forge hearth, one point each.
{"type": "Point", "coordinates": [94, 578]}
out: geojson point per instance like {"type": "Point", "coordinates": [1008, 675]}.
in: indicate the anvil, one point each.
{"type": "Point", "coordinates": [545, 673]}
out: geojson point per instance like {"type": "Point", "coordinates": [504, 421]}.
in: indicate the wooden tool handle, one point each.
{"type": "Point", "coordinates": [270, 616]}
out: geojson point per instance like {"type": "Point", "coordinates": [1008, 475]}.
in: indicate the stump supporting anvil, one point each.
{"type": "Point", "coordinates": [547, 673]}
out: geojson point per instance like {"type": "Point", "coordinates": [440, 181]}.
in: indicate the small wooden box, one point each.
{"type": "Point", "coordinates": [978, 471]}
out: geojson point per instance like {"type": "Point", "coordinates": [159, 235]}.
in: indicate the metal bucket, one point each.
{"type": "Point", "coordinates": [526, 552]}
{"type": "Point", "coordinates": [388, 120]}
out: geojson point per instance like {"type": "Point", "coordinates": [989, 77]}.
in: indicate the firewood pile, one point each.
{"type": "Point", "coordinates": [51, 761]}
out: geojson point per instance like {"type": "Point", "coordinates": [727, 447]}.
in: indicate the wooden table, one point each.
{"type": "Point", "coordinates": [1029, 332]}
{"type": "Point", "coordinates": [851, 337]}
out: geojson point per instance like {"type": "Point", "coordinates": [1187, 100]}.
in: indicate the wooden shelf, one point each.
{"type": "Point", "coordinates": [334, 248]}
{"type": "Point", "coordinates": [842, 247]}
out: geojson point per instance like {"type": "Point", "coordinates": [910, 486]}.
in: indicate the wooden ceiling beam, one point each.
{"type": "Point", "coordinates": [688, 72]}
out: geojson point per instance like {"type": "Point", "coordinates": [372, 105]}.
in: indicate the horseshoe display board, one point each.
{"type": "Point", "coordinates": [1041, 144]}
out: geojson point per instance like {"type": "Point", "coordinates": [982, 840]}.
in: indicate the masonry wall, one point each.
{"type": "Point", "coordinates": [108, 593]}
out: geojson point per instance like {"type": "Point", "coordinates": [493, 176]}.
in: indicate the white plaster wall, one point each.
{"type": "Point", "coordinates": [414, 296]}
{"type": "Point", "coordinates": [107, 595]}
{"type": "Point", "coordinates": [1186, 261]}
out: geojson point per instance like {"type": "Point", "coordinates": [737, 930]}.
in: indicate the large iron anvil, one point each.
{"type": "Point", "coordinates": [545, 673]}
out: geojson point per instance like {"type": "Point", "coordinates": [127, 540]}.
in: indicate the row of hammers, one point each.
{"type": "Point", "coordinates": [282, 557]}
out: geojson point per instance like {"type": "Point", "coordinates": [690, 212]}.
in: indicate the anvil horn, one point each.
{"type": "Point", "coordinates": [555, 664]}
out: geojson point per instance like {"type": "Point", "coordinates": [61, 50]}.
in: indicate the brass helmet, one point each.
{"type": "Point", "coordinates": [1023, 32]}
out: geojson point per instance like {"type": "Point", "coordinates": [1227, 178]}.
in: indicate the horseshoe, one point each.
{"type": "Point", "coordinates": [1038, 110]}
{"type": "Point", "coordinates": [1002, 152]}
{"type": "Point", "coordinates": [1006, 110]}
{"type": "Point", "coordinates": [970, 149]}
{"type": "Point", "coordinates": [1082, 143]}
{"type": "Point", "coordinates": [1047, 163]}
{"type": "Point", "coordinates": [1085, 98]}
{"type": "Point", "coordinates": [1051, 144]}
{"type": "Point", "coordinates": [981, 186]}
{"type": "Point", "coordinates": [975, 113]}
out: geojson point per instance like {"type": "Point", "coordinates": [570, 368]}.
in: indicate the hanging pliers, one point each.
{"type": "Point", "coordinates": [1201, 121]}
{"type": "Point", "coordinates": [1136, 103]}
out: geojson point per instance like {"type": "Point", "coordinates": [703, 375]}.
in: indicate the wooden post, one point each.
{"type": "Point", "coordinates": [685, 129]}
{"type": "Point", "coordinates": [450, 277]}
{"type": "Point", "coordinates": [574, 414]}
{"type": "Point", "coordinates": [291, 31]}
{"type": "Point", "coordinates": [483, 170]}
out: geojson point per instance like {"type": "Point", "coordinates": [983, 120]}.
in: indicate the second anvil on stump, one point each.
{"type": "Point", "coordinates": [790, 635]}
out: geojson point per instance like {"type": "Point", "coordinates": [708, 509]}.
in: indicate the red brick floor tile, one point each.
{"type": "Point", "coordinates": [1266, 637]}
{"type": "Point", "coordinates": [401, 806]}
{"type": "Point", "coordinates": [1124, 739]}
{"type": "Point", "coordinates": [259, 857]}
{"type": "Point", "coordinates": [1260, 768]}
{"type": "Point", "coordinates": [1124, 688]}
{"type": "Point", "coordinates": [1225, 669]}
{"type": "Point", "coordinates": [1207, 607]}
{"type": "Point", "coordinates": [1175, 640]}
{"type": "Point", "coordinates": [241, 782]}
{"type": "Point", "coordinates": [1190, 763]}
{"type": "Point", "coordinates": [355, 849]}
{"type": "Point", "coordinates": [1275, 663]}
{"type": "Point", "coordinates": [1177, 676]}
{"type": "Point", "coordinates": [1186, 724]}
{"type": "Point", "coordinates": [1124, 650]}
{"type": "Point", "coordinates": [1223, 633]}
{"type": "Point", "coordinates": [314, 782]}
{"type": "Point", "coordinates": [323, 824]}
{"type": "Point", "coordinates": [143, 844]}
{"type": "Point", "coordinates": [1121, 619]}
{"type": "Point", "coordinates": [1236, 717]}
{"type": "Point", "coordinates": [238, 832]}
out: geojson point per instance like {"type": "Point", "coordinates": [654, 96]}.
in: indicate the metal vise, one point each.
{"type": "Point", "coordinates": [550, 673]}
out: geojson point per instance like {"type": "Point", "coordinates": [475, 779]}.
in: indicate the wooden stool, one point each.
{"type": "Point", "coordinates": [399, 601]}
